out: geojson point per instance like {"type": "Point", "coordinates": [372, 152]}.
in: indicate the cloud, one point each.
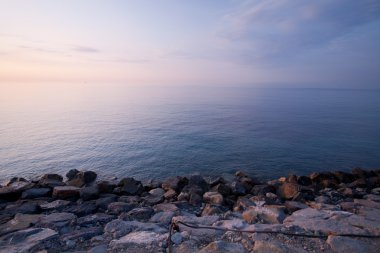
{"type": "Point", "coordinates": [86, 49]}
{"type": "Point", "coordinates": [275, 29]}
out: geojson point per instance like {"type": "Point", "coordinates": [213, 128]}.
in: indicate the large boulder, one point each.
{"type": "Point", "coordinates": [130, 186]}
{"type": "Point", "coordinates": [82, 178]}
{"type": "Point", "coordinates": [51, 180]}
{"type": "Point", "coordinates": [66, 192]}
{"type": "Point", "coordinates": [288, 190]}
{"type": "Point", "coordinates": [36, 193]}
{"type": "Point", "coordinates": [176, 183]}
{"type": "Point", "coordinates": [13, 191]}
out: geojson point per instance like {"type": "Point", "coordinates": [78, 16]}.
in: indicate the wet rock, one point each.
{"type": "Point", "coordinates": [213, 198]}
{"type": "Point", "coordinates": [198, 180]}
{"type": "Point", "coordinates": [119, 207]}
{"type": "Point", "coordinates": [105, 187]}
{"type": "Point", "coordinates": [94, 219]}
{"type": "Point", "coordinates": [142, 241]}
{"type": "Point", "coordinates": [71, 174]}
{"type": "Point", "coordinates": [268, 214]}
{"type": "Point", "coordinates": [14, 190]}
{"type": "Point", "coordinates": [238, 188]}
{"type": "Point", "coordinates": [130, 186]}
{"type": "Point", "coordinates": [56, 204]}
{"type": "Point", "coordinates": [141, 213]}
{"type": "Point", "coordinates": [13, 180]}
{"type": "Point", "coordinates": [288, 190]}
{"type": "Point", "coordinates": [162, 217]}
{"type": "Point", "coordinates": [82, 178]}
{"type": "Point", "coordinates": [223, 189]}
{"type": "Point", "coordinates": [36, 193]}
{"type": "Point", "coordinates": [28, 240]}
{"type": "Point", "coordinates": [19, 222]}
{"type": "Point", "coordinates": [340, 244]}
{"type": "Point", "coordinates": [87, 193]}
{"type": "Point", "coordinates": [176, 183]}
{"type": "Point", "coordinates": [66, 192]}
{"type": "Point", "coordinates": [223, 247]}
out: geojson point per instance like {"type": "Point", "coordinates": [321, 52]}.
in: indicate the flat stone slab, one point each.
{"type": "Point", "coordinates": [142, 241]}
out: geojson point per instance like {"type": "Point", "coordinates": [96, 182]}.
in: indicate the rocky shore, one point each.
{"type": "Point", "coordinates": [322, 212]}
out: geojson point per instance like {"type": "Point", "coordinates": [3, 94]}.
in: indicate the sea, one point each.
{"type": "Point", "coordinates": [154, 132]}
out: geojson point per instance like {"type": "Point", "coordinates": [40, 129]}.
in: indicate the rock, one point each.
{"type": "Point", "coordinates": [213, 198]}
{"type": "Point", "coordinates": [81, 208]}
{"type": "Point", "coordinates": [242, 204]}
{"type": "Point", "coordinates": [195, 199]}
{"type": "Point", "coordinates": [19, 222]}
{"type": "Point", "coordinates": [82, 234]}
{"type": "Point", "coordinates": [293, 206]}
{"type": "Point", "coordinates": [262, 190]}
{"type": "Point", "coordinates": [14, 190]}
{"type": "Point", "coordinates": [71, 174]}
{"type": "Point", "coordinates": [141, 213]}
{"type": "Point", "coordinates": [340, 244]}
{"type": "Point", "coordinates": [238, 188]}
{"type": "Point", "coordinates": [140, 242]}
{"type": "Point", "coordinates": [151, 199]}
{"type": "Point", "coordinates": [176, 238]}
{"type": "Point", "coordinates": [65, 192]}
{"type": "Point", "coordinates": [117, 228]}
{"type": "Point", "coordinates": [165, 207]}
{"type": "Point", "coordinates": [210, 209]}
{"type": "Point", "coordinates": [376, 191]}
{"type": "Point", "coordinates": [51, 180]}
{"type": "Point", "coordinates": [130, 186]}
{"type": "Point", "coordinates": [170, 194]}
{"type": "Point", "coordinates": [205, 220]}
{"type": "Point", "coordinates": [105, 187]}
{"type": "Point", "coordinates": [162, 217]}
{"type": "Point", "coordinates": [36, 193]}
{"type": "Point", "coordinates": [275, 247]}
{"type": "Point", "coordinates": [268, 214]}
{"type": "Point", "coordinates": [94, 219]}
{"type": "Point", "coordinates": [198, 180]}
{"type": "Point", "coordinates": [176, 183]}
{"type": "Point", "coordinates": [288, 190]}
{"type": "Point", "coordinates": [28, 240]}
{"type": "Point", "coordinates": [98, 249]}
{"type": "Point", "coordinates": [304, 180]}
{"type": "Point", "coordinates": [13, 180]}
{"type": "Point", "coordinates": [367, 203]}
{"type": "Point", "coordinates": [223, 247]}
{"type": "Point", "coordinates": [82, 178]}
{"type": "Point", "coordinates": [119, 207]}
{"type": "Point", "coordinates": [25, 207]}
{"type": "Point", "coordinates": [231, 224]}
{"type": "Point", "coordinates": [344, 177]}
{"type": "Point", "coordinates": [57, 221]}
{"type": "Point", "coordinates": [130, 199]}
{"type": "Point", "coordinates": [102, 203]}
{"type": "Point", "coordinates": [157, 192]}
{"type": "Point", "coordinates": [223, 189]}
{"type": "Point", "coordinates": [87, 193]}
{"type": "Point", "coordinates": [323, 200]}
{"type": "Point", "coordinates": [56, 205]}
{"type": "Point", "coordinates": [333, 222]}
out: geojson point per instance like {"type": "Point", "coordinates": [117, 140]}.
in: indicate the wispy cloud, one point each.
{"type": "Point", "coordinates": [85, 49]}
{"type": "Point", "coordinates": [259, 30]}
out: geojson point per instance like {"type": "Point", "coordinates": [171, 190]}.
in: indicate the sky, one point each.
{"type": "Point", "coordinates": [271, 43]}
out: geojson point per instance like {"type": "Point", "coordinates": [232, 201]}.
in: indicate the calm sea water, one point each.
{"type": "Point", "coordinates": [156, 132]}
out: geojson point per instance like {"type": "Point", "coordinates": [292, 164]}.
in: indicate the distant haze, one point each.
{"type": "Point", "coordinates": [272, 43]}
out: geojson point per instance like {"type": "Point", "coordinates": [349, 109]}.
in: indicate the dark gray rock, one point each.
{"type": "Point", "coordinates": [162, 217]}
{"type": "Point", "coordinates": [94, 219]}
{"type": "Point", "coordinates": [120, 207]}
{"type": "Point", "coordinates": [102, 203]}
{"type": "Point", "coordinates": [71, 174]}
{"type": "Point", "coordinates": [88, 193]}
{"type": "Point", "coordinates": [36, 193]}
{"type": "Point", "coordinates": [83, 178]}
{"type": "Point", "coordinates": [176, 183]}
{"type": "Point", "coordinates": [14, 190]}
{"type": "Point", "coordinates": [141, 213]}
{"type": "Point", "coordinates": [130, 186]}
